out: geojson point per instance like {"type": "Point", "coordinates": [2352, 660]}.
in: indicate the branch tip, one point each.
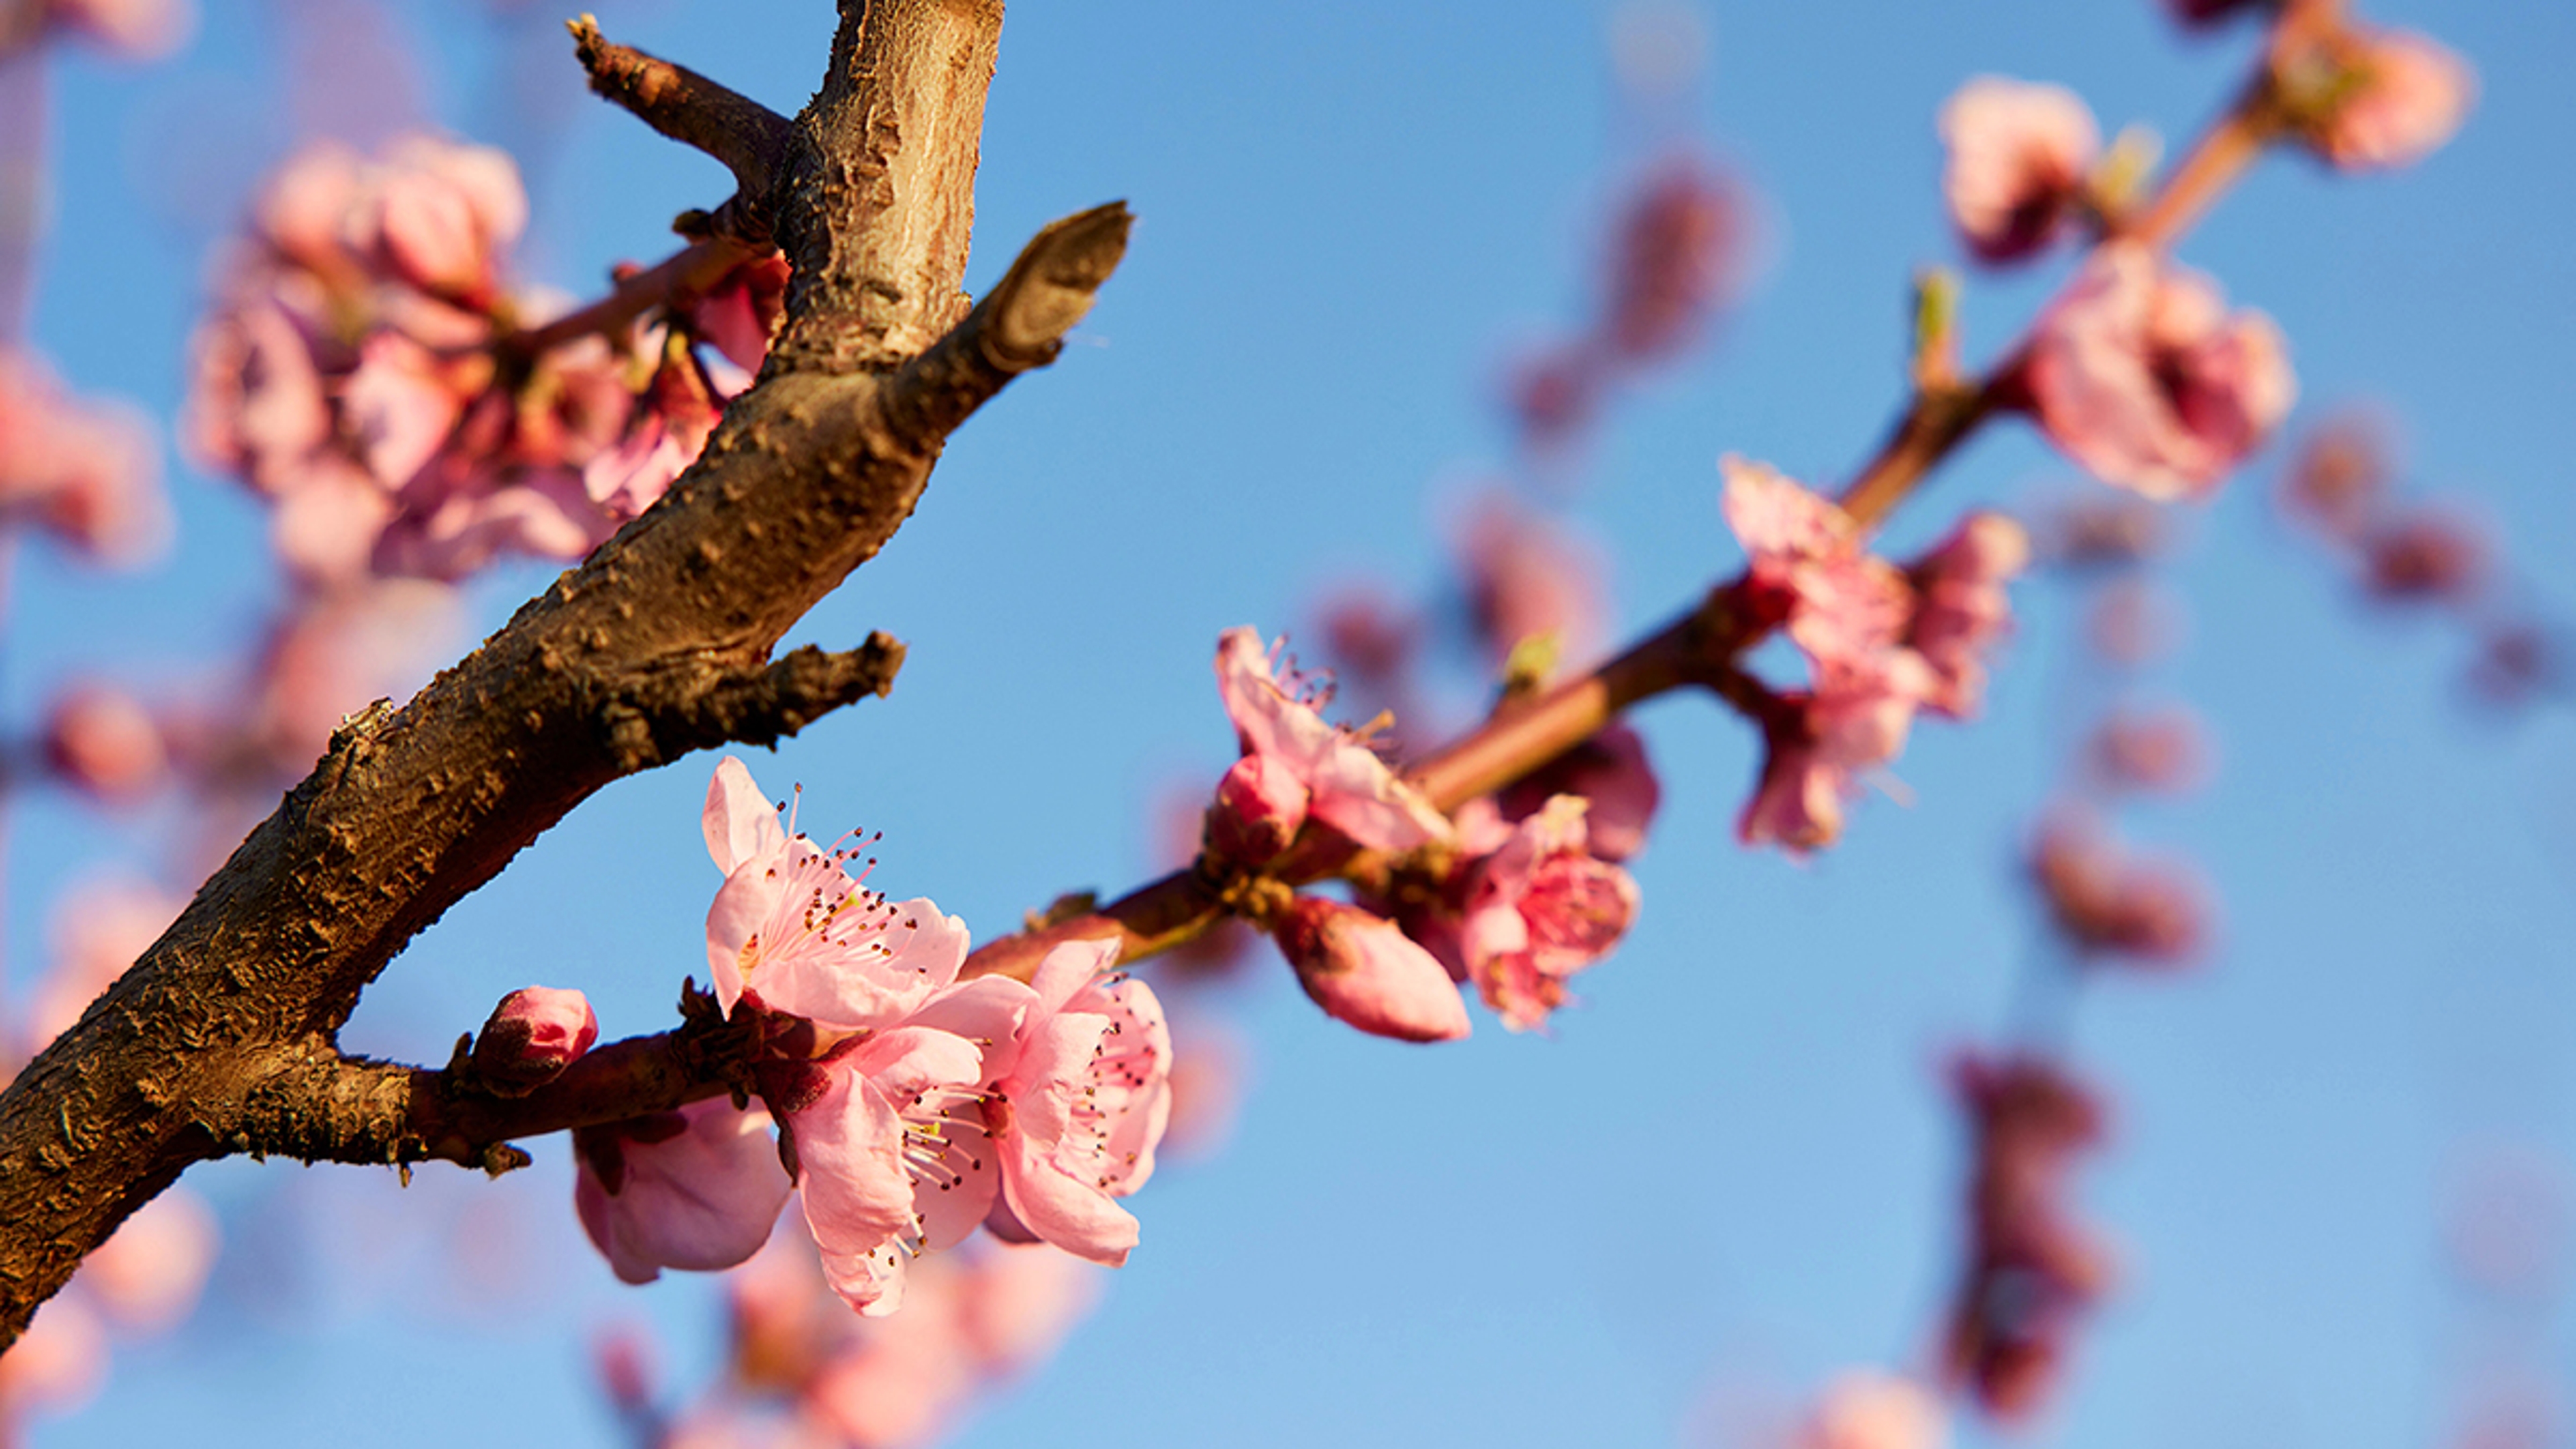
{"type": "Point", "coordinates": [1052, 285]}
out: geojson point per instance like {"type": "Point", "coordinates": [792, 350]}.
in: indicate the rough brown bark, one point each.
{"type": "Point", "coordinates": [221, 1038]}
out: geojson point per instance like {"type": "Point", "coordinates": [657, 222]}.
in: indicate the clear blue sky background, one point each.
{"type": "Point", "coordinates": [1730, 1172]}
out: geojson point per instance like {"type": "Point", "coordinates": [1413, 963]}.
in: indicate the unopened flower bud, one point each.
{"type": "Point", "coordinates": [532, 1036]}
{"type": "Point", "coordinates": [1260, 806]}
{"type": "Point", "coordinates": [1364, 971]}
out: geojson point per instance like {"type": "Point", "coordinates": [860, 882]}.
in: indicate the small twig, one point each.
{"type": "Point", "coordinates": [748, 137]}
{"type": "Point", "coordinates": [677, 280]}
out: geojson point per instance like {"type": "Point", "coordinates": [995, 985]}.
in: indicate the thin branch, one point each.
{"type": "Point", "coordinates": [749, 138]}
{"type": "Point", "coordinates": [675, 281]}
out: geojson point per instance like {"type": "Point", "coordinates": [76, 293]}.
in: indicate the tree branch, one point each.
{"type": "Point", "coordinates": [671, 621]}
{"type": "Point", "coordinates": [748, 137]}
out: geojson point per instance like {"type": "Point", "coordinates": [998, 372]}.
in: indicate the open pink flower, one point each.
{"type": "Point", "coordinates": [2408, 96]}
{"type": "Point", "coordinates": [2140, 373]}
{"type": "Point", "coordinates": [739, 312]}
{"type": "Point", "coordinates": [1839, 602]}
{"type": "Point", "coordinates": [2018, 155]}
{"type": "Point", "coordinates": [1611, 772]}
{"type": "Point", "coordinates": [697, 1189]}
{"type": "Point", "coordinates": [1364, 971]}
{"type": "Point", "coordinates": [886, 1130]}
{"type": "Point", "coordinates": [1962, 609]}
{"type": "Point", "coordinates": [1540, 909]}
{"type": "Point", "coordinates": [1855, 719]}
{"type": "Point", "coordinates": [795, 933]}
{"type": "Point", "coordinates": [1348, 787]}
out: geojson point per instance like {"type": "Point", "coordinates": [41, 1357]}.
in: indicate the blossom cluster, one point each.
{"type": "Point", "coordinates": [1515, 896]}
{"type": "Point", "coordinates": [367, 370]}
{"type": "Point", "coordinates": [912, 1107]}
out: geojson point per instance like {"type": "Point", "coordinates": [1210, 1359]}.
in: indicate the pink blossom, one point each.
{"type": "Point", "coordinates": [2149, 751]}
{"type": "Point", "coordinates": [255, 402]}
{"type": "Point", "coordinates": [1364, 971]}
{"type": "Point", "coordinates": [1611, 771]}
{"type": "Point", "coordinates": [440, 213]}
{"type": "Point", "coordinates": [399, 406]}
{"type": "Point", "coordinates": [2147, 913]}
{"type": "Point", "coordinates": [1540, 909]}
{"type": "Point", "coordinates": [1674, 261]}
{"type": "Point", "coordinates": [740, 312]}
{"type": "Point", "coordinates": [1529, 576]}
{"type": "Point", "coordinates": [86, 472]}
{"type": "Point", "coordinates": [1962, 610]}
{"type": "Point", "coordinates": [1865, 1409]}
{"type": "Point", "coordinates": [875, 1120]}
{"type": "Point", "coordinates": [1840, 603]}
{"type": "Point", "coordinates": [2018, 156]}
{"type": "Point", "coordinates": [2427, 557]}
{"type": "Point", "coordinates": [102, 741]}
{"type": "Point", "coordinates": [2409, 95]}
{"type": "Point", "coordinates": [1348, 786]}
{"type": "Point", "coordinates": [1854, 719]}
{"type": "Point", "coordinates": [900, 1386]}
{"type": "Point", "coordinates": [665, 434]}
{"type": "Point", "coordinates": [1076, 1102]}
{"type": "Point", "coordinates": [792, 931]}
{"type": "Point", "coordinates": [534, 1034]}
{"type": "Point", "coordinates": [2139, 373]}
{"type": "Point", "coordinates": [697, 1189]}
{"type": "Point", "coordinates": [1020, 1302]}
{"type": "Point", "coordinates": [147, 1275]}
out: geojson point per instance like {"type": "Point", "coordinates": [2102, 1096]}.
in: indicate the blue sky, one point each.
{"type": "Point", "coordinates": [1729, 1174]}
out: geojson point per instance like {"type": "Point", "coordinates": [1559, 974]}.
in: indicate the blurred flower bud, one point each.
{"type": "Point", "coordinates": [2339, 480]}
{"type": "Point", "coordinates": [1365, 972]}
{"type": "Point", "coordinates": [2156, 752]}
{"type": "Point", "coordinates": [2426, 558]}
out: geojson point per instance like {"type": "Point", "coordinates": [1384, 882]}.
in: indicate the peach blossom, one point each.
{"type": "Point", "coordinates": [697, 1189]}
{"type": "Point", "coordinates": [1962, 610]}
{"type": "Point", "coordinates": [1540, 909]}
{"type": "Point", "coordinates": [2139, 372]}
{"type": "Point", "coordinates": [1364, 971]}
{"type": "Point", "coordinates": [2018, 156]}
{"type": "Point", "coordinates": [147, 1276]}
{"type": "Point", "coordinates": [2409, 95]}
{"type": "Point", "coordinates": [1348, 786]}
{"type": "Point", "coordinates": [103, 742]}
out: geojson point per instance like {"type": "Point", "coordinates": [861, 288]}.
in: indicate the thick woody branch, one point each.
{"type": "Point", "coordinates": [748, 137]}
{"type": "Point", "coordinates": [671, 621]}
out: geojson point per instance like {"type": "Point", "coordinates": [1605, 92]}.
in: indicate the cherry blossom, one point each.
{"type": "Point", "coordinates": [1348, 787]}
{"type": "Point", "coordinates": [2140, 373]}
{"type": "Point", "coordinates": [697, 1189]}
{"type": "Point", "coordinates": [1540, 909]}
{"type": "Point", "coordinates": [1366, 972]}
{"type": "Point", "coordinates": [2018, 157]}
{"type": "Point", "coordinates": [1962, 609]}
{"type": "Point", "coordinates": [792, 931]}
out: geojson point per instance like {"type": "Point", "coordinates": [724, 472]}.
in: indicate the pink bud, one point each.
{"type": "Point", "coordinates": [532, 1036]}
{"type": "Point", "coordinates": [104, 743]}
{"type": "Point", "coordinates": [2426, 559]}
{"type": "Point", "coordinates": [1364, 971]}
{"type": "Point", "coordinates": [1260, 805]}
{"type": "Point", "coordinates": [2408, 96]}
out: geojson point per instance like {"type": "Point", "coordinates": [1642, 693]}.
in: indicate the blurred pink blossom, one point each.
{"type": "Point", "coordinates": [1866, 1409]}
{"type": "Point", "coordinates": [1854, 719]}
{"type": "Point", "coordinates": [58, 1364]}
{"type": "Point", "coordinates": [1540, 909]}
{"type": "Point", "coordinates": [2147, 913]}
{"type": "Point", "coordinates": [1840, 604]}
{"type": "Point", "coordinates": [132, 29]}
{"type": "Point", "coordinates": [1611, 772]}
{"type": "Point", "coordinates": [2140, 373]}
{"type": "Point", "coordinates": [2018, 157]}
{"type": "Point", "coordinates": [2150, 751]}
{"type": "Point", "coordinates": [146, 1277]}
{"type": "Point", "coordinates": [1364, 971]}
{"type": "Point", "coordinates": [103, 742]}
{"type": "Point", "coordinates": [1527, 575]}
{"type": "Point", "coordinates": [1962, 609]}
{"type": "Point", "coordinates": [86, 472]}
{"type": "Point", "coordinates": [2408, 96]}
{"type": "Point", "coordinates": [738, 313]}
{"type": "Point", "coordinates": [98, 929]}
{"type": "Point", "coordinates": [1674, 260]}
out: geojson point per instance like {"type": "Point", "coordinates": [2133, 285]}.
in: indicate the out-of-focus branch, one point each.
{"type": "Point", "coordinates": [675, 280]}
{"type": "Point", "coordinates": [658, 642]}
